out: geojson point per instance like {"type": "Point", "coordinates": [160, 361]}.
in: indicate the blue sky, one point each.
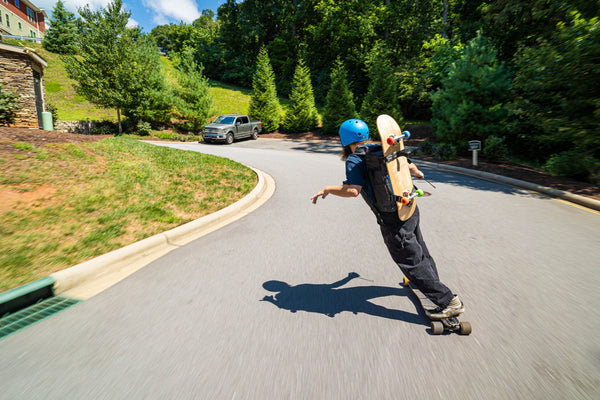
{"type": "Point", "coordinates": [145, 13]}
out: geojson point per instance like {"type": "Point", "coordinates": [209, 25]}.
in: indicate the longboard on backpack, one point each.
{"type": "Point", "coordinates": [392, 143]}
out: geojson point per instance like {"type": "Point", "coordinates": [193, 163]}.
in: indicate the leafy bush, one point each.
{"type": "Point", "coordinates": [573, 164]}
{"type": "Point", "coordinates": [52, 110]}
{"type": "Point", "coordinates": [445, 151]}
{"type": "Point", "coordinates": [555, 93]}
{"type": "Point", "coordinates": [144, 128]}
{"type": "Point", "coordinates": [494, 148]}
{"type": "Point", "coordinates": [9, 105]}
{"type": "Point", "coordinates": [427, 148]}
{"type": "Point", "coordinates": [104, 128]}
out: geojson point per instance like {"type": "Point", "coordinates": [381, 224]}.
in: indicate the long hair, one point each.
{"type": "Point", "coordinates": [347, 150]}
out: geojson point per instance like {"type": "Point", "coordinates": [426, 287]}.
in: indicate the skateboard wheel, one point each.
{"type": "Point", "coordinates": [465, 328]}
{"type": "Point", "coordinates": [405, 281]}
{"type": "Point", "coordinates": [419, 192]}
{"type": "Point", "coordinates": [437, 327]}
{"type": "Point", "coordinates": [404, 201]}
{"type": "Point", "coordinates": [405, 135]}
{"type": "Point", "coordinates": [390, 140]}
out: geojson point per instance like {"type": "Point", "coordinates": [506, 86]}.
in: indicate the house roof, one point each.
{"type": "Point", "coordinates": [24, 50]}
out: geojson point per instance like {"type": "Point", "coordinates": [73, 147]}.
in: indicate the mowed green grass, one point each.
{"type": "Point", "coordinates": [62, 204]}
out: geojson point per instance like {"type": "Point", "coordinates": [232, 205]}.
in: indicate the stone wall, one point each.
{"type": "Point", "coordinates": [74, 126]}
{"type": "Point", "coordinates": [16, 70]}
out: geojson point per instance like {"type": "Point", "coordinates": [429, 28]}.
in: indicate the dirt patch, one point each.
{"type": "Point", "coordinates": [39, 138]}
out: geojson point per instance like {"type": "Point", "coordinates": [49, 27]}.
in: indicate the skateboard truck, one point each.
{"type": "Point", "coordinates": [396, 139]}
{"type": "Point", "coordinates": [407, 197]}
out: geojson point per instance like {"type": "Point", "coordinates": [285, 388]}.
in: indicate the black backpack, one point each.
{"type": "Point", "coordinates": [377, 173]}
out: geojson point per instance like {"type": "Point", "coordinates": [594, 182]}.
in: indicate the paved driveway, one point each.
{"type": "Point", "coordinates": [199, 322]}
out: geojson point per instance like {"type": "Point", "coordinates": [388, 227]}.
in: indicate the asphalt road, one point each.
{"type": "Point", "coordinates": [199, 323]}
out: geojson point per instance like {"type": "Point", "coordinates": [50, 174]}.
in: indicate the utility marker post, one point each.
{"type": "Point", "coordinates": [475, 146]}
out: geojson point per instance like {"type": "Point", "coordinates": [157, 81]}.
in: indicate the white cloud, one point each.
{"type": "Point", "coordinates": [132, 23]}
{"type": "Point", "coordinates": [166, 10]}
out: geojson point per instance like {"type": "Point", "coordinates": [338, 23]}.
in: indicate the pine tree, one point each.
{"type": "Point", "coordinates": [194, 102]}
{"type": "Point", "coordinates": [61, 37]}
{"type": "Point", "coordinates": [382, 96]}
{"type": "Point", "coordinates": [339, 105]}
{"type": "Point", "coordinates": [471, 102]}
{"type": "Point", "coordinates": [302, 114]}
{"type": "Point", "coordinates": [264, 104]}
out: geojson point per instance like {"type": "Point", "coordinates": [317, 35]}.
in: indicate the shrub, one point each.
{"type": "Point", "coordinates": [573, 164]}
{"type": "Point", "coordinates": [144, 128]}
{"type": "Point", "coordinates": [52, 110]}
{"type": "Point", "coordinates": [445, 151]}
{"type": "Point", "coordinates": [494, 148]}
{"type": "Point", "coordinates": [427, 148]}
{"type": "Point", "coordinates": [9, 105]}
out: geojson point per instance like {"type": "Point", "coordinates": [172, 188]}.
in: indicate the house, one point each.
{"type": "Point", "coordinates": [22, 18]}
{"type": "Point", "coordinates": [22, 71]}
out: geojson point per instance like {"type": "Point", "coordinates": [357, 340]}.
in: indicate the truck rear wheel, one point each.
{"type": "Point", "coordinates": [255, 134]}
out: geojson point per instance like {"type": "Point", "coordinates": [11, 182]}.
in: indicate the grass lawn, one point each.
{"type": "Point", "coordinates": [62, 204]}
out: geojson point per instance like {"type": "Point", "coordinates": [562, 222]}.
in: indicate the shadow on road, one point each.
{"type": "Point", "coordinates": [330, 299]}
{"type": "Point", "coordinates": [457, 179]}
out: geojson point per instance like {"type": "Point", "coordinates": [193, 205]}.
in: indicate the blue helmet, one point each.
{"type": "Point", "coordinates": [352, 131]}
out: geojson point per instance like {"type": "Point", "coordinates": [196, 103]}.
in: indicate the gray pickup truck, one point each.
{"type": "Point", "coordinates": [229, 127]}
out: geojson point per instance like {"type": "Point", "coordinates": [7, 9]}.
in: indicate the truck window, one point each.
{"type": "Point", "coordinates": [244, 120]}
{"type": "Point", "coordinates": [224, 119]}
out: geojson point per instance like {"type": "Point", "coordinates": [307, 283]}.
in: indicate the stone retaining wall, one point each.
{"type": "Point", "coordinates": [16, 70]}
{"type": "Point", "coordinates": [75, 126]}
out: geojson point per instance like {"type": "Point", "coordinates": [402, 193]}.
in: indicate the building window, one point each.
{"type": "Point", "coordinates": [7, 21]}
{"type": "Point", "coordinates": [20, 27]}
{"type": "Point", "coordinates": [17, 3]}
{"type": "Point", "coordinates": [30, 15]}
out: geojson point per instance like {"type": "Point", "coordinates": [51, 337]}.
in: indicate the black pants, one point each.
{"type": "Point", "coordinates": [407, 248]}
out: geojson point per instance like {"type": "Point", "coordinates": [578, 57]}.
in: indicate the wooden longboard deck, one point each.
{"type": "Point", "coordinates": [397, 169]}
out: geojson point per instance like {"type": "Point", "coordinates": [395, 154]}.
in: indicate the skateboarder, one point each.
{"type": "Point", "coordinates": [402, 238]}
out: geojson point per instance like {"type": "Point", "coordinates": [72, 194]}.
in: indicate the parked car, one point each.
{"type": "Point", "coordinates": [229, 127]}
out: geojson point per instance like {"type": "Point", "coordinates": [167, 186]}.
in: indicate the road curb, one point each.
{"type": "Point", "coordinates": [571, 197]}
{"type": "Point", "coordinates": [142, 252]}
